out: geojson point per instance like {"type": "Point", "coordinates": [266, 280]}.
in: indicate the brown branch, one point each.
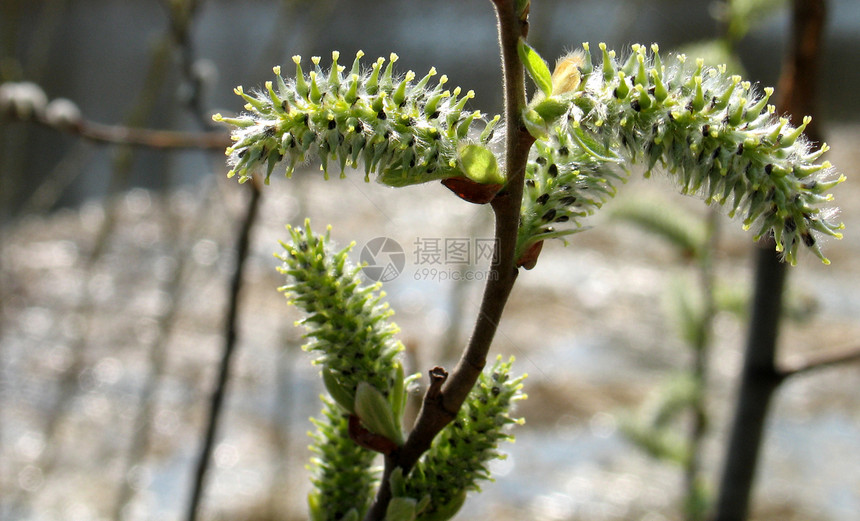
{"type": "Point", "coordinates": [144, 137]}
{"type": "Point", "coordinates": [440, 406]}
{"type": "Point", "coordinates": [129, 136]}
{"type": "Point", "coordinates": [805, 364]}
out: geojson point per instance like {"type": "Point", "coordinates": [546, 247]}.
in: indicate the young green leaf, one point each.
{"type": "Point", "coordinates": [376, 413]}
{"type": "Point", "coordinates": [480, 165]}
{"type": "Point", "coordinates": [341, 394]}
{"type": "Point", "coordinates": [401, 509]}
{"type": "Point", "coordinates": [535, 66]}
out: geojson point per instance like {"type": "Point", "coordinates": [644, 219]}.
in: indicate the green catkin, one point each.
{"type": "Point", "coordinates": [348, 323]}
{"type": "Point", "coordinates": [334, 118]}
{"type": "Point", "coordinates": [460, 454]}
{"type": "Point", "coordinates": [341, 470]}
{"type": "Point", "coordinates": [712, 137]}
{"type": "Point", "coordinates": [349, 329]}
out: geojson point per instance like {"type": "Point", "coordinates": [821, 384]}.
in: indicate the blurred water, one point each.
{"type": "Point", "coordinates": [583, 325]}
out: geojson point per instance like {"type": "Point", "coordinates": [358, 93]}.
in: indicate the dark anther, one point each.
{"type": "Point", "coordinates": [808, 239]}
{"type": "Point", "coordinates": [553, 170]}
{"type": "Point", "coordinates": [563, 151]}
{"type": "Point", "coordinates": [740, 149]}
{"type": "Point", "coordinates": [706, 129]}
{"type": "Point", "coordinates": [568, 200]}
{"type": "Point", "coordinates": [635, 105]}
{"type": "Point", "coordinates": [434, 115]}
{"type": "Point", "coordinates": [381, 114]}
{"type": "Point", "coordinates": [543, 199]}
{"type": "Point", "coordinates": [768, 168]}
{"type": "Point", "coordinates": [549, 215]}
{"type": "Point", "coordinates": [541, 160]}
{"type": "Point", "coordinates": [562, 219]}
{"type": "Point", "coordinates": [790, 225]}
{"type": "Point", "coordinates": [530, 183]}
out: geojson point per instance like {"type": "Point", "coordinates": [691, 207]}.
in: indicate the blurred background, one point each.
{"type": "Point", "coordinates": [116, 264]}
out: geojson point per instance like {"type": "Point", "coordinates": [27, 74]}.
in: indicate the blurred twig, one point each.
{"type": "Point", "coordinates": [759, 376]}
{"type": "Point", "coordinates": [175, 287]}
{"type": "Point", "coordinates": [230, 336]}
{"type": "Point", "coordinates": [143, 137]}
{"type": "Point", "coordinates": [799, 365]}
{"type": "Point", "coordinates": [695, 506]}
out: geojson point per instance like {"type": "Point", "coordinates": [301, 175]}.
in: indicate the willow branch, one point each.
{"type": "Point", "coordinates": [148, 138]}
{"type": "Point", "coordinates": [135, 136]}
{"type": "Point", "coordinates": [798, 365]}
{"type": "Point", "coordinates": [440, 407]}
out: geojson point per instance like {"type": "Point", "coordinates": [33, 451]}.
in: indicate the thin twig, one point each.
{"type": "Point", "coordinates": [760, 376]}
{"type": "Point", "coordinates": [799, 365]}
{"type": "Point", "coordinates": [699, 370]}
{"type": "Point", "coordinates": [143, 137]}
{"type": "Point", "coordinates": [230, 336]}
{"type": "Point", "coordinates": [441, 407]}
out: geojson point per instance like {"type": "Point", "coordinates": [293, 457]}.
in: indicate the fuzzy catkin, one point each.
{"type": "Point", "coordinates": [341, 470]}
{"type": "Point", "coordinates": [460, 454]}
{"type": "Point", "coordinates": [713, 133]}
{"type": "Point", "coordinates": [348, 323]}
{"type": "Point", "coordinates": [407, 132]}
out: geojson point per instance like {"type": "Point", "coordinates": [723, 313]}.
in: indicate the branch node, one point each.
{"type": "Point", "coordinates": [438, 376]}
